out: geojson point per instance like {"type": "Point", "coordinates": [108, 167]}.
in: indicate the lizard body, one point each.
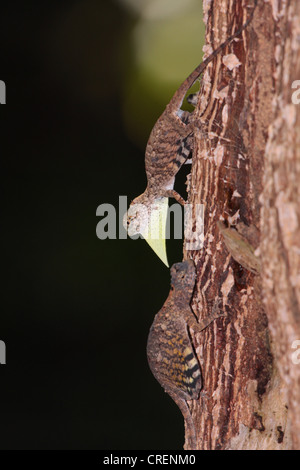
{"type": "Point", "coordinates": [169, 145]}
{"type": "Point", "coordinates": [170, 352]}
{"type": "Point", "coordinates": [164, 154]}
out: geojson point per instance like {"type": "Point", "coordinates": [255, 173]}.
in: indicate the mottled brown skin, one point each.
{"type": "Point", "coordinates": [170, 352]}
{"type": "Point", "coordinates": [171, 139]}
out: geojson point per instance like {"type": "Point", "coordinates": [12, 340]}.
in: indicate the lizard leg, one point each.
{"type": "Point", "coordinates": [172, 193]}
{"type": "Point", "coordinates": [205, 322]}
{"type": "Point", "coordinates": [183, 127]}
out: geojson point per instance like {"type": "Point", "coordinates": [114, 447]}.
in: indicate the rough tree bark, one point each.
{"type": "Point", "coordinates": [246, 167]}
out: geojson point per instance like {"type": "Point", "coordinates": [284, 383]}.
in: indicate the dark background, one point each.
{"type": "Point", "coordinates": [76, 310]}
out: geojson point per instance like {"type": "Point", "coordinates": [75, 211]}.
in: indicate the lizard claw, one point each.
{"type": "Point", "coordinates": [216, 309]}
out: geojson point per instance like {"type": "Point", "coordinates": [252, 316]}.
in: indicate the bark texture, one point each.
{"type": "Point", "coordinates": [246, 172]}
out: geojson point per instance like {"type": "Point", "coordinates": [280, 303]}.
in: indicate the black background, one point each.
{"type": "Point", "coordinates": [76, 311]}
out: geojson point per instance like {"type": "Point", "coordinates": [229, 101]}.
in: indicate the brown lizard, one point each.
{"type": "Point", "coordinates": [170, 352]}
{"type": "Point", "coordinates": [169, 145]}
{"type": "Point", "coordinates": [168, 148]}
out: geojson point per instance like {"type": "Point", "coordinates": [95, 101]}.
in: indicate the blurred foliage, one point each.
{"type": "Point", "coordinates": [165, 47]}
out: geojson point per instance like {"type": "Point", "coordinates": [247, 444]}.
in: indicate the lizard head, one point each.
{"type": "Point", "coordinates": [149, 220]}
{"type": "Point", "coordinates": [135, 219]}
{"type": "Point", "coordinates": [183, 276]}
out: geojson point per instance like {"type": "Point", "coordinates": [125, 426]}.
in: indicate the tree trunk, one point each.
{"type": "Point", "coordinates": [246, 166]}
